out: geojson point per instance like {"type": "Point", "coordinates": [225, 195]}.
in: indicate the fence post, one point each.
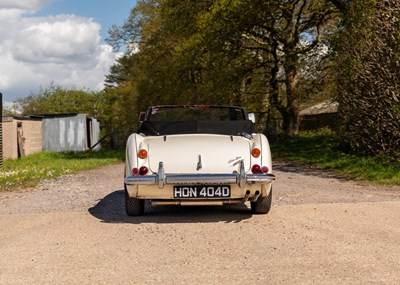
{"type": "Point", "coordinates": [1, 129]}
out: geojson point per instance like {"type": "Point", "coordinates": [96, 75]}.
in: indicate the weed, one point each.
{"type": "Point", "coordinates": [29, 170]}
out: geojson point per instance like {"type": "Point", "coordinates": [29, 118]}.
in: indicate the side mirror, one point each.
{"type": "Point", "coordinates": [142, 117]}
{"type": "Point", "coordinates": [252, 117]}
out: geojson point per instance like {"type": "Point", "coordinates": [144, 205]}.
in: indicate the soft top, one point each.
{"type": "Point", "coordinates": [162, 128]}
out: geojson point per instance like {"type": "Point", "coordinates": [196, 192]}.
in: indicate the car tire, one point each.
{"type": "Point", "coordinates": [133, 206]}
{"type": "Point", "coordinates": [262, 205]}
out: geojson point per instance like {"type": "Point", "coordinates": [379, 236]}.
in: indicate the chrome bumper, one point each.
{"type": "Point", "coordinates": [161, 178]}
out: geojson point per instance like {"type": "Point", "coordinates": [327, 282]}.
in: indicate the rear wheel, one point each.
{"type": "Point", "coordinates": [133, 206]}
{"type": "Point", "coordinates": [262, 205]}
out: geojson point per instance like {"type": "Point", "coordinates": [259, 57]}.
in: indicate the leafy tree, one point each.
{"type": "Point", "coordinates": [342, 5]}
{"type": "Point", "coordinates": [122, 71]}
{"type": "Point", "coordinates": [275, 42]}
{"type": "Point", "coordinates": [120, 115]}
{"type": "Point", "coordinates": [157, 29]}
{"type": "Point", "coordinates": [368, 78]}
{"type": "Point", "coordinates": [56, 100]}
{"type": "Point", "coordinates": [120, 95]}
{"type": "Point", "coordinates": [228, 52]}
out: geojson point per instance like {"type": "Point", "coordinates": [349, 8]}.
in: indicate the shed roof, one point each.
{"type": "Point", "coordinates": [55, 115]}
{"type": "Point", "coordinates": [20, 118]}
{"type": "Point", "coordinates": [328, 106]}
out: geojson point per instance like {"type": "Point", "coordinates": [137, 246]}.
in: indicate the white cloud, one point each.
{"type": "Point", "coordinates": [11, 10]}
{"type": "Point", "coordinates": [34, 51]}
{"type": "Point", "coordinates": [24, 6]}
{"type": "Point", "coordinates": [56, 39]}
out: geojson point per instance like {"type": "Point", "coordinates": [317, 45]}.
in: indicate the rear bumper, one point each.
{"type": "Point", "coordinates": [161, 179]}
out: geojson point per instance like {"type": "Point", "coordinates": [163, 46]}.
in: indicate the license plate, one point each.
{"type": "Point", "coordinates": [202, 191]}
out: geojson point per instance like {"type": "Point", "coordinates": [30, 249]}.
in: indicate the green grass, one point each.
{"type": "Point", "coordinates": [29, 170]}
{"type": "Point", "coordinates": [318, 149]}
{"type": "Point", "coordinates": [321, 149]}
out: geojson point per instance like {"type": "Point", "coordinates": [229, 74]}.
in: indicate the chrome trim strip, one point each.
{"type": "Point", "coordinates": [161, 180]}
{"type": "Point", "coordinates": [201, 179]}
{"type": "Point", "coordinates": [141, 180]}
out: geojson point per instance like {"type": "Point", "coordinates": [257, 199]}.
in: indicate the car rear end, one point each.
{"type": "Point", "coordinates": [197, 167]}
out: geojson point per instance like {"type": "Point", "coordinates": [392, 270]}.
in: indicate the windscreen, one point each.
{"type": "Point", "coordinates": [192, 113]}
{"type": "Point", "coordinates": [196, 120]}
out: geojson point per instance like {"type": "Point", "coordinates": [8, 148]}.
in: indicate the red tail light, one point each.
{"type": "Point", "coordinates": [140, 171]}
{"type": "Point", "coordinates": [256, 169]}
{"type": "Point", "coordinates": [143, 170]}
{"type": "Point", "coordinates": [135, 171]}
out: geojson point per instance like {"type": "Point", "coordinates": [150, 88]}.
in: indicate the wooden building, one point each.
{"type": "Point", "coordinates": [21, 136]}
{"type": "Point", "coordinates": [319, 116]}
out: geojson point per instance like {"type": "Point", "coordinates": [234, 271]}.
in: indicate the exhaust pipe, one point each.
{"type": "Point", "coordinates": [246, 197]}
{"type": "Point", "coordinates": [256, 195]}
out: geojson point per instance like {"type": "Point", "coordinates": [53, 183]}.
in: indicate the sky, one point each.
{"type": "Point", "coordinates": [56, 41]}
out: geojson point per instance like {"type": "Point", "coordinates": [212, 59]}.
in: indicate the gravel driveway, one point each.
{"type": "Point", "coordinates": [322, 229]}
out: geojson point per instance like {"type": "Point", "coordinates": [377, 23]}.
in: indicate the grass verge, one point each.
{"type": "Point", "coordinates": [29, 170]}
{"type": "Point", "coordinates": [321, 149]}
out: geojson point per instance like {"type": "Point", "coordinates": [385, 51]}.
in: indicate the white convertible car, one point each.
{"type": "Point", "coordinates": [197, 155]}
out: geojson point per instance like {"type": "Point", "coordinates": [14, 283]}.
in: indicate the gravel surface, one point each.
{"type": "Point", "coordinates": [322, 229]}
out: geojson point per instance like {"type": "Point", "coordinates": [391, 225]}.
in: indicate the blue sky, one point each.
{"type": "Point", "coordinates": [105, 12]}
{"type": "Point", "coordinates": [56, 41]}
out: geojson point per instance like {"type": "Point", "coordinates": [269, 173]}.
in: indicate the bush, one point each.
{"type": "Point", "coordinates": [368, 79]}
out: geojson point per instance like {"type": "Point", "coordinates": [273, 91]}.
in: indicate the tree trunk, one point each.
{"type": "Point", "coordinates": [291, 119]}
{"type": "Point", "coordinates": [291, 123]}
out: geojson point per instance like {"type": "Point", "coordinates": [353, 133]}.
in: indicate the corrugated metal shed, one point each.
{"type": "Point", "coordinates": [70, 132]}
{"type": "Point", "coordinates": [59, 133]}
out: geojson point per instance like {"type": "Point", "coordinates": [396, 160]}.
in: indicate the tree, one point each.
{"type": "Point", "coordinates": [252, 53]}
{"type": "Point", "coordinates": [342, 5]}
{"type": "Point", "coordinates": [120, 96]}
{"type": "Point", "coordinates": [157, 29]}
{"type": "Point", "coordinates": [278, 39]}
{"type": "Point", "coordinates": [57, 100]}
{"type": "Point", "coordinates": [368, 69]}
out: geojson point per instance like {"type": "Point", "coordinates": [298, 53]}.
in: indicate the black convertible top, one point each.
{"type": "Point", "coordinates": [162, 128]}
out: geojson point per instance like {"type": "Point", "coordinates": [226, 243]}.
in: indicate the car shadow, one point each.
{"type": "Point", "coordinates": [111, 209]}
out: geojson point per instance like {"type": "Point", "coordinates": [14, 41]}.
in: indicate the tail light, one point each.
{"type": "Point", "coordinates": [142, 153]}
{"type": "Point", "coordinates": [264, 169]}
{"type": "Point", "coordinates": [135, 171]}
{"type": "Point", "coordinates": [143, 170]}
{"type": "Point", "coordinates": [256, 169]}
{"type": "Point", "coordinates": [255, 152]}
{"type": "Point", "coordinates": [140, 171]}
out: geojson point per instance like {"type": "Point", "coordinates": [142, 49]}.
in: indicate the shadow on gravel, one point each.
{"type": "Point", "coordinates": [111, 209]}
{"type": "Point", "coordinates": [305, 169]}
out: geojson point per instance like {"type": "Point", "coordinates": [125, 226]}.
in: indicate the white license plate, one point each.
{"type": "Point", "coordinates": [202, 191]}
